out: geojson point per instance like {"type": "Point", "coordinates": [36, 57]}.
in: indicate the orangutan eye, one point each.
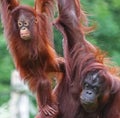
{"type": "Point", "coordinates": [26, 23]}
{"type": "Point", "coordinates": [95, 88]}
{"type": "Point", "coordinates": [20, 23]}
{"type": "Point", "coordinates": [86, 85]}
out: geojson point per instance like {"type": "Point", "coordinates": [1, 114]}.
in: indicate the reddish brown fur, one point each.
{"type": "Point", "coordinates": [82, 57]}
{"type": "Point", "coordinates": [36, 58]}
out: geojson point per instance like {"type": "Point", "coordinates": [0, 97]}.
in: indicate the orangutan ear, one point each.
{"type": "Point", "coordinates": [36, 21]}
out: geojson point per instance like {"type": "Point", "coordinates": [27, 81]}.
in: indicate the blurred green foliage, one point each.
{"type": "Point", "coordinates": [104, 13]}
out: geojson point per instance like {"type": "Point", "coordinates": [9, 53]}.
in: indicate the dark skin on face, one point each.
{"type": "Point", "coordinates": [24, 23]}
{"type": "Point", "coordinates": [24, 32]}
{"type": "Point", "coordinates": [91, 92]}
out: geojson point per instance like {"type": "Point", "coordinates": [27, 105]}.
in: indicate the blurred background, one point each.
{"type": "Point", "coordinates": [104, 13]}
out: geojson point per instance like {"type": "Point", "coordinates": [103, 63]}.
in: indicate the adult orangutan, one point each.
{"type": "Point", "coordinates": [28, 32]}
{"type": "Point", "coordinates": [89, 89]}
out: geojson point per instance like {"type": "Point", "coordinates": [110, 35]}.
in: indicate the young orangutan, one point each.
{"type": "Point", "coordinates": [29, 33]}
